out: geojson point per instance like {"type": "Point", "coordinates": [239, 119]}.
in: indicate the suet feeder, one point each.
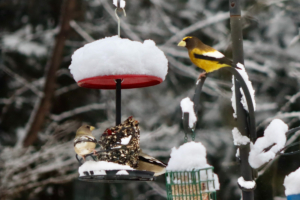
{"type": "Point", "coordinates": [117, 63]}
{"type": "Point", "coordinates": [198, 183]}
{"type": "Point", "coordinates": [191, 185]}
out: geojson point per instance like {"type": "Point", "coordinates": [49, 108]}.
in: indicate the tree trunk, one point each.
{"type": "Point", "coordinates": [38, 117]}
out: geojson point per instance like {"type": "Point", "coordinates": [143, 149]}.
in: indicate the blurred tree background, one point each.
{"type": "Point", "coordinates": [40, 108]}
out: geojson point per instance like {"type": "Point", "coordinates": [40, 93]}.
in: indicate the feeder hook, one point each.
{"type": "Point", "coordinates": [118, 18]}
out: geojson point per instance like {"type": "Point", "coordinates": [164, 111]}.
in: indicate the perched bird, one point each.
{"type": "Point", "coordinates": [148, 163]}
{"type": "Point", "coordinates": [85, 142]}
{"type": "Point", "coordinates": [203, 56]}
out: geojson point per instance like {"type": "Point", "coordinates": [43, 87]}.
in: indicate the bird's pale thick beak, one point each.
{"type": "Point", "coordinates": [92, 128]}
{"type": "Point", "coordinates": [182, 43]}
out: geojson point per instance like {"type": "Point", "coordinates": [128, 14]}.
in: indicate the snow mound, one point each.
{"type": "Point", "coordinates": [266, 147]}
{"type": "Point", "coordinates": [238, 138]}
{"type": "Point", "coordinates": [122, 172]}
{"type": "Point", "coordinates": [246, 184]}
{"type": "Point", "coordinates": [191, 156]}
{"type": "Point", "coordinates": [118, 56]}
{"type": "Point", "coordinates": [99, 167]}
{"type": "Point", "coordinates": [187, 106]}
{"type": "Point", "coordinates": [292, 182]}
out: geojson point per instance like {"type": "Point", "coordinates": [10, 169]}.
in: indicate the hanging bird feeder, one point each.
{"type": "Point", "coordinates": [188, 176]}
{"type": "Point", "coordinates": [118, 63]}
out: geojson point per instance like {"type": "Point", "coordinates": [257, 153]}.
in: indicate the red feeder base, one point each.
{"type": "Point", "coordinates": [129, 81]}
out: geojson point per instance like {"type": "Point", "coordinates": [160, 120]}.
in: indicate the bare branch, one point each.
{"type": "Point", "coordinates": [77, 111]}
{"type": "Point", "coordinates": [66, 89]}
{"type": "Point", "coordinates": [81, 32]}
{"type": "Point", "coordinates": [212, 20]}
{"type": "Point", "coordinates": [162, 192]}
{"type": "Point", "coordinates": [22, 80]}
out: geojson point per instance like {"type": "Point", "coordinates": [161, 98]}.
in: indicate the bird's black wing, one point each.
{"type": "Point", "coordinates": [152, 160]}
{"type": "Point", "coordinates": [222, 60]}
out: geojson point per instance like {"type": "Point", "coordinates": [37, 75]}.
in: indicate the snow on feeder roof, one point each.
{"type": "Point", "coordinates": [98, 64]}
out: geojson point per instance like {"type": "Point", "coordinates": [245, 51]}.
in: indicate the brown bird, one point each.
{"type": "Point", "coordinates": [148, 163]}
{"type": "Point", "coordinates": [85, 142]}
{"type": "Point", "coordinates": [204, 56]}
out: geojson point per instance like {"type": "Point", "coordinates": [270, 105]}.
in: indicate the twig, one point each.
{"type": "Point", "coordinates": [157, 189]}
{"type": "Point", "coordinates": [280, 116]}
{"type": "Point", "coordinates": [66, 89]}
{"type": "Point", "coordinates": [81, 32]}
{"type": "Point", "coordinates": [201, 24]}
{"type": "Point", "coordinates": [290, 141]}
{"type": "Point", "coordinates": [22, 80]}
{"type": "Point", "coordinates": [77, 111]}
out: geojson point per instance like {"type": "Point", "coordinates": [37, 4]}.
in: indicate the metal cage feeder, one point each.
{"type": "Point", "coordinates": [197, 184]}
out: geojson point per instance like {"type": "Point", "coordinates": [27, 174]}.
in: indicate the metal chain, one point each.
{"type": "Point", "coordinates": [193, 135]}
{"type": "Point", "coordinates": [185, 137]}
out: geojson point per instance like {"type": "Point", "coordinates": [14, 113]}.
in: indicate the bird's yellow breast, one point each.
{"type": "Point", "coordinates": [206, 65]}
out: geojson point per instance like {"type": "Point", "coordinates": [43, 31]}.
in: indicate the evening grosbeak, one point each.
{"type": "Point", "coordinates": [85, 142]}
{"type": "Point", "coordinates": [148, 163]}
{"type": "Point", "coordinates": [203, 56]}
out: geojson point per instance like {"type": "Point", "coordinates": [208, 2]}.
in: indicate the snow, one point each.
{"type": "Point", "coordinates": [246, 184]}
{"type": "Point", "coordinates": [122, 172]}
{"type": "Point", "coordinates": [237, 154]}
{"type": "Point", "coordinates": [118, 56]}
{"type": "Point", "coordinates": [191, 156]}
{"type": "Point", "coordinates": [233, 102]}
{"type": "Point", "coordinates": [238, 138]}
{"type": "Point", "coordinates": [122, 3]}
{"type": "Point", "coordinates": [244, 75]}
{"type": "Point", "coordinates": [99, 172]}
{"type": "Point", "coordinates": [187, 106]}
{"type": "Point", "coordinates": [15, 42]}
{"type": "Point", "coordinates": [99, 167]}
{"type": "Point", "coordinates": [274, 137]}
{"type": "Point", "coordinates": [215, 54]}
{"type": "Point", "coordinates": [292, 182]}
{"type": "Point", "coordinates": [126, 140]}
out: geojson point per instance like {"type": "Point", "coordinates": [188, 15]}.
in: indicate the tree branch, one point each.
{"type": "Point", "coordinates": [53, 64]}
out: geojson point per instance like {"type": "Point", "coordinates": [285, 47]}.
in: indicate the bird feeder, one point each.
{"type": "Point", "coordinates": [115, 63]}
{"type": "Point", "coordinates": [189, 177]}
{"type": "Point", "coordinates": [191, 185]}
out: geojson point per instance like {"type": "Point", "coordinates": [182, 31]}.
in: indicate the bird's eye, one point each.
{"type": "Point", "coordinates": [88, 126]}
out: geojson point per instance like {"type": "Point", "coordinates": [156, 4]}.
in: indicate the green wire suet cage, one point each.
{"type": "Point", "coordinates": [197, 184]}
{"type": "Point", "coordinates": [191, 185]}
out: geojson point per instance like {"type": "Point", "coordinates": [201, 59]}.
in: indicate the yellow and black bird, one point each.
{"type": "Point", "coordinates": [203, 56]}
{"type": "Point", "coordinates": [84, 142]}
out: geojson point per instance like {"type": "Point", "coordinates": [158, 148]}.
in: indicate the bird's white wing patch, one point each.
{"type": "Point", "coordinates": [214, 54]}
